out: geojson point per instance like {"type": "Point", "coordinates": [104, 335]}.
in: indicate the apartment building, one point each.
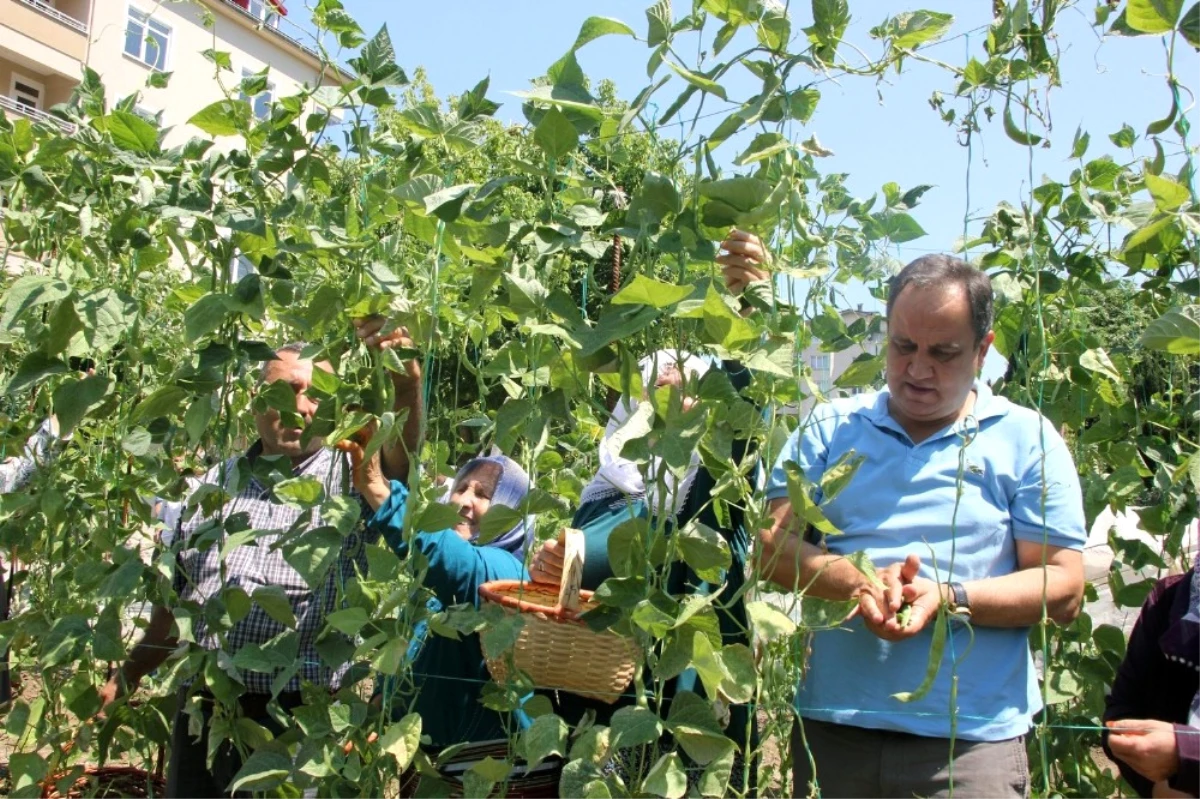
{"type": "Point", "coordinates": [45, 44]}
{"type": "Point", "coordinates": [826, 367]}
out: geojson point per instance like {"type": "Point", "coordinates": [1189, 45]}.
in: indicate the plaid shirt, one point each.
{"type": "Point", "coordinates": [255, 564]}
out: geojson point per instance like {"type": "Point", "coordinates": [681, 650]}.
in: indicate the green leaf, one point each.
{"type": "Point", "coordinates": [1125, 137]}
{"type": "Point", "coordinates": [436, 517]}
{"type": "Point", "coordinates": [204, 316]}
{"type": "Point", "coordinates": [402, 740]}
{"type": "Point", "coordinates": [838, 475]}
{"type": "Point", "coordinates": [262, 771]}
{"type": "Point", "coordinates": [301, 492]}
{"type": "Point", "coordinates": [595, 27]}
{"type": "Point", "coordinates": [1109, 638]}
{"type": "Point", "coordinates": [34, 368]}
{"type": "Point", "coordinates": [348, 621]}
{"type": "Point", "coordinates": [73, 400]}
{"type": "Point", "coordinates": [137, 442]}
{"type": "Point", "coordinates": [545, 737]}
{"type": "Point", "coordinates": [65, 325]}
{"type": "Point", "coordinates": [912, 29]}
{"type": "Point", "coordinates": [555, 134]}
{"type": "Point", "coordinates": [1189, 26]}
{"type": "Point", "coordinates": [714, 781]}
{"type": "Point", "coordinates": [699, 81]}
{"type": "Point", "coordinates": [377, 61]}
{"type": "Point", "coordinates": [704, 549]}
{"type": "Point", "coordinates": [764, 146]}
{"type": "Point", "coordinates": [446, 204]}
{"type": "Point", "coordinates": [634, 726]}
{"type": "Point", "coordinates": [1168, 194]}
{"type": "Point", "coordinates": [31, 291]}
{"type": "Point", "coordinates": [1152, 16]}
{"type": "Point", "coordinates": [26, 771]}
{"type": "Point", "coordinates": [936, 649]}
{"type": "Point", "coordinates": [130, 132]}
{"type": "Point", "coordinates": [274, 602]}
{"type": "Point", "coordinates": [659, 22]}
{"type": "Point", "coordinates": [164, 401]}
{"type": "Point", "coordinates": [694, 726]}
{"type": "Point", "coordinates": [220, 58]}
{"type": "Point", "coordinates": [341, 511]}
{"type": "Point", "coordinates": [644, 290]}
{"type": "Point", "coordinates": [742, 678]}
{"type": "Point", "coordinates": [314, 554]}
{"type": "Point", "coordinates": [667, 778]}
{"type": "Point", "coordinates": [1177, 331]}
{"type": "Point", "coordinates": [1097, 360]}
{"type": "Point", "coordinates": [223, 118]}
{"type": "Point", "coordinates": [896, 226]}
{"type": "Point", "coordinates": [865, 370]}
{"type": "Point", "coordinates": [1080, 144]}
{"type": "Point", "coordinates": [498, 519]}
{"type": "Point", "coordinates": [830, 20]}
{"type": "Point", "coordinates": [823, 614]}
{"type": "Point", "coordinates": [768, 621]}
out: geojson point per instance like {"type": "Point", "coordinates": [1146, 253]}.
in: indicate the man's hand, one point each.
{"type": "Point", "coordinates": [375, 333]}
{"type": "Point", "coordinates": [1146, 745]}
{"type": "Point", "coordinates": [903, 605]}
{"type": "Point", "coordinates": [880, 600]}
{"type": "Point", "coordinates": [547, 565]}
{"type": "Point", "coordinates": [367, 473]}
{"type": "Point", "coordinates": [743, 259]}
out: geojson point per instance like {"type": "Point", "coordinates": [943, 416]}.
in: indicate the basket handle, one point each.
{"type": "Point", "coordinates": [572, 543]}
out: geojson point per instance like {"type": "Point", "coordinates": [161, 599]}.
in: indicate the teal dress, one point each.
{"type": "Point", "coordinates": [449, 675]}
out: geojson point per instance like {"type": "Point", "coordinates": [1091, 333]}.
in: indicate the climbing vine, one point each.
{"type": "Point", "coordinates": [533, 265]}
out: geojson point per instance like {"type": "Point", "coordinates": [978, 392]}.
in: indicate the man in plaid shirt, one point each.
{"type": "Point", "coordinates": [206, 570]}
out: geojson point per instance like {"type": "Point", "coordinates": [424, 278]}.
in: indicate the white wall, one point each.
{"type": "Point", "coordinates": [194, 82]}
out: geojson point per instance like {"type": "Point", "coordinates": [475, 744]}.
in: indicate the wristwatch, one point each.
{"type": "Point", "coordinates": [956, 599]}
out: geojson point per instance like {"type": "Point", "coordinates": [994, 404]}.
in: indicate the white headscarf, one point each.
{"type": "Point", "coordinates": [665, 492]}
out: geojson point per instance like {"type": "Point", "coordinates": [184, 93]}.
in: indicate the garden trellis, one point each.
{"type": "Point", "coordinates": [489, 242]}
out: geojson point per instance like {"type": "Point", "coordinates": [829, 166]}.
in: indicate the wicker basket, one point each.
{"type": "Point", "coordinates": [557, 650]}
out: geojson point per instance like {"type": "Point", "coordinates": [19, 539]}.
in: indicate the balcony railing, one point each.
{"type": "Point", "coordinates": [275, 29]}
{"type": "Point", "coordinates": [11, 104]}
{"type": "Point", "coordinates": [57, 15]}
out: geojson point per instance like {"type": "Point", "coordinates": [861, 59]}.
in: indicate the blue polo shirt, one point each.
{"type": "Point", "coordinates": [902, 500]}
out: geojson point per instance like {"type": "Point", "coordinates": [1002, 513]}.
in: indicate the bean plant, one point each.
{"type": "Point", "coordinates": [533, 265]}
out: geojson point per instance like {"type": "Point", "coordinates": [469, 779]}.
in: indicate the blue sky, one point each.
{"type": "Point", "coordinates": [879, 131]}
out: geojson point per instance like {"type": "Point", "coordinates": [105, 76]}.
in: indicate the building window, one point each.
{"type": "Point", "coordinates": [148, 114]}
{"type": "Point", "coordinates": [261, 102]}
{"type": "Point", "coordinates": [822, 373]}
{"type": "Point", "coordinates": [264, 10]}
{"type": "Point", "coordinates": [146, 39]}
{"type": "Point", "coordinates": [240, 267]}
{"type": "Point", "coordinates": [27, 93]}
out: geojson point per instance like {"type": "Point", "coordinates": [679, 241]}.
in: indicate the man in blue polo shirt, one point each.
{"type": "Point", "coordinates": [970, 510]}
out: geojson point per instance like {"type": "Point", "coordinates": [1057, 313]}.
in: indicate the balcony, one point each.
{"type": "Point", "coordinates": [269, 15]}
{"type": "Point", "coordinates": [11, 105]}
{"type": "Point", "coordinates": [58, 16]}
{"type": "Point", "coordinates": [52, 37]}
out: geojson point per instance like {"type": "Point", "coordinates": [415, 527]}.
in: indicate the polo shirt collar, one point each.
{"type": "Point", "coordinates": [987, 406]}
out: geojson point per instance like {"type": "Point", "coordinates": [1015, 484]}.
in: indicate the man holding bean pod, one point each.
{"type": "Point", "coordinates": [970, 512]}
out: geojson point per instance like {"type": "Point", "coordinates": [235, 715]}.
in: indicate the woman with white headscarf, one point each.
{"type": "Point", "coordinates": [1153, 712]}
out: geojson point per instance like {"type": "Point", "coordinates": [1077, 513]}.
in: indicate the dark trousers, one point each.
{"type": "Point", "coordinates": [857, 761]}
{"type": "Point", "coordinates": [188, 774]}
